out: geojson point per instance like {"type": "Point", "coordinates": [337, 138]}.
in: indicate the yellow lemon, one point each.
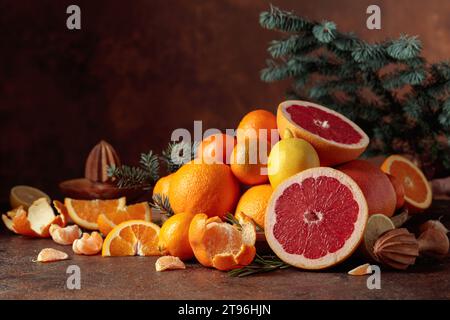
{"type": "Point", "coordinates": [290, 156]}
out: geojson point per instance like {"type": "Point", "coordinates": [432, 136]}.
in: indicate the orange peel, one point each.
{"type": "Point", "coordinates": [221, 245]}
{"type": "Point", "coordinates": [35, 222]}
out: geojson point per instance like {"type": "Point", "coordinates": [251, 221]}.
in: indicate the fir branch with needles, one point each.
{"type": "Point", "coordinates": [143, 176]}
{"type": "Point", "coordinates": [326, 64]}
{"type": "Point", "coordinates": [161, 203]}
{"type": "Point", "coordinates": [178, 153]}
{"type": "Point", "coordinates": [261, 264]}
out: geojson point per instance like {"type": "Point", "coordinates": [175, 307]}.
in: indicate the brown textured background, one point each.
{"type": "Point", "coordinates": [139, 69]}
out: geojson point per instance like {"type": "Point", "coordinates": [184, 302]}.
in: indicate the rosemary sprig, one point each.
{"type": "Point", "coordinates": [161, 203]}
{"type": "Point", "coordinates": [261, 264]}
{"type": "Point", "coordinates": [135, 177]}
{"type": "Point", "coordinates": [178, 153]}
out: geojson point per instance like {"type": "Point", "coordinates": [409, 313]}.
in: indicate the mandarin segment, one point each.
{"type": "Point", "coordinates": [88, 244]}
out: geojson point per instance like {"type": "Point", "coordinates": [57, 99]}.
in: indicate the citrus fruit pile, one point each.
{"type": "Point", "coordinates": [308, 193]}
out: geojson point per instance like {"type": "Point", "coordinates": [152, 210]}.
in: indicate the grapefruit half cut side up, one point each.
{"type": "Point", "coordinates": [316, 218]}
{"type": "Point", "coordinates": [335, 138]}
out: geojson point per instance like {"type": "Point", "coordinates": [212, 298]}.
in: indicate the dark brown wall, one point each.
{"type": "Point", "coordinates": [138, 69]}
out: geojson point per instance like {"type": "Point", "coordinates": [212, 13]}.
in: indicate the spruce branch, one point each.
{"type": "Point", "coordinates": [405, 48]}
{"type": "Point", "coordinates": [137, 177]}
{"type": "Point", "coordinates": [162, 204]}
{"type": "Point", "coordinates": [178, 153]}
{"type": "Point", "coordinates": [325, 32]}
{"type": "Point", "coordinates": [277, 19]}
{"type": "Point", "coordinates": [337, 70]}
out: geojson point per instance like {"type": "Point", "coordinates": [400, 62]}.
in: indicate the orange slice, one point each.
{"type": "Point", "coordinates": [418, 195]}
{"type": "Point", "coordinates": [25, 196]}
{"type": "Point", "coordinates": [85, 212]}
{"type": "Point", "coordinates": [108, 220]}
{"type": "Point", "coordinates": [130, 238]}
{"type": "Point", "coordinates": [222, 245]}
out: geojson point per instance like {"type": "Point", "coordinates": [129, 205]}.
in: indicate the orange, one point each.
{"type": "Point", "coordinates": [257, 120]}
{"type": "Point", "coordinates": [418, 195]}
{"type": "Point", "coordinates": [174, 236]}
{"type": "Point", "coordinates": [399, 190]}
{"type": "Point", "coordinates": [85, 212]}
{"type": "Point", "coordinates": [108, 220]}
{"type": "Point", "coordinates": [130, 238]}
{"type": "Point", "coordinates": [335, 138]}
{"type": "Point", "coordinates": [222, 245]}
{"type": "Point", "coordinates": [376, 186]}
{"type": "Point", "coordinates": [253, 203]}
{"type": "Point", "coordinates": [247, 164]}
{"type": "Point", "coordinates": [200, 187]}
{"type": "Point", "coordinates": [216, 148]}
{"type": "Point", "coordinates": [25, 196]}
{"type": "Point", "coordinates": [162, 186]}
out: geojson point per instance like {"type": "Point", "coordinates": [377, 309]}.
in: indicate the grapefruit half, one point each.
{"type": "Point", "coordinates": [335, 138]}
{"type": "Point", "coordinates": [316, 218]}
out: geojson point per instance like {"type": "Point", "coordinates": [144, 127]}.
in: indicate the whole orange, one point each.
{"type": "Point", "coordinates": [208, 188]}
{"type": "Point", "coordinates": [162, 186]}
{"type": "Point", "coordinates": [253, 203]}
{"type": "Point", "coordinates": [376, 186]}
{"type": "Point", "coordinates": [217, 147]}
{"type": "Point", "coordinates": [249, 161]}
{"type": "Point", "coordinates": [174, 236]}
{"type": "Point", "coordinates": [399, 190]}
{"type": "Point", "coordinates": [256, 120]}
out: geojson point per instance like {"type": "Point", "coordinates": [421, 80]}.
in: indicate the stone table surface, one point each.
{"type": "Point", "coordinates": [136, 278]}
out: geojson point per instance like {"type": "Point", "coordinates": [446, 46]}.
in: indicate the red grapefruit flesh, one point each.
{"type": "Point", "coordinates": [335, 138]}
{"type": "Point", "coordinates": [316, 218]}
